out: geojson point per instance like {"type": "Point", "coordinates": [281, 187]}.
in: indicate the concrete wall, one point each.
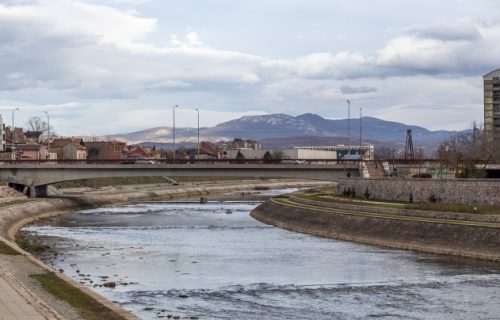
{"type": "Point", "coordinates": [450, 239]}
{"type": "Point", "coordinates": [465, 191]}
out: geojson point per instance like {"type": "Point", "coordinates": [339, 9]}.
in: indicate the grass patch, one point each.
{"type": "Point", "coordinates": [88, 307]}
{"type": "Point", "coordinates": [30, 243]}
{"type": "Point", "coordinates": [456, 207]}
{"type": "Point", "coordinates": [424, 206]}
{"type": "Point", "coordinates": [5, 249]}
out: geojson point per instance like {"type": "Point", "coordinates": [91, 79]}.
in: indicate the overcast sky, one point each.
{"type": "Point", "coordinates": [111, 66]}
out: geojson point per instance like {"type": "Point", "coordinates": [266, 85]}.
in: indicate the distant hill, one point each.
{"type": "Point", "coordinates": [281, 130]}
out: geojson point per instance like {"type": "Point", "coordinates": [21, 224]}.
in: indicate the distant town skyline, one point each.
{"type": "Point", "coordinates": [110, 66]}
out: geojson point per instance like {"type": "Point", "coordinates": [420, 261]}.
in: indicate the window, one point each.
{"type": "Point", "coordinates": [496, 78]}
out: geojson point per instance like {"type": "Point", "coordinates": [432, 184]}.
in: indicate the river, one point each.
{"type": "Point", "coordinates": [213, 261]}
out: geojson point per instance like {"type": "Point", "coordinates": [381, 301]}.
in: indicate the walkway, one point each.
{"type": "Point", "coordinates": [13, 306]}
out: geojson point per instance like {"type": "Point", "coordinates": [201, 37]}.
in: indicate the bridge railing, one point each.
{"type": "Point", "coordinates": [229, 161]}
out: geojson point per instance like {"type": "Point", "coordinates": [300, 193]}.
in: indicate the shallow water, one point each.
{"type": "Point", "coordinates": [213, 261]}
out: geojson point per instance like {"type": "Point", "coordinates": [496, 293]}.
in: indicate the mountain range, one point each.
{"type": "Point", "coordinates": [281, 130]}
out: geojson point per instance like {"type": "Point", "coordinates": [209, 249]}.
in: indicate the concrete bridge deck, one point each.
{"type": "Point", "coordinates": [37, 176]}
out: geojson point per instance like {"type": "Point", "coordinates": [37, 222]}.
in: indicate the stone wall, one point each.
{"type": "Point", "coordinates": [460, 240]}
{"type": "Point", "coordinates": [464, 191]}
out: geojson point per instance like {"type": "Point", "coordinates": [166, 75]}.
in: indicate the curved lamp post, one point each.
{"type": "Point", "coordinates": [198, 112]}
{"type": "Point", "coordinates": [48, 133]}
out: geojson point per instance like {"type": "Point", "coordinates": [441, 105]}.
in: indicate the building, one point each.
{"type": "Point", "coordinates": [106, 150]}
{"type": "Point", "coordinates": [3, 136]}
{"type": "Point", "coordinates": [69, 148]}
{"type": "Point", "coordinates": [492, 105]}
{"type": "Point", "coordinates": [239, 143]}
{"type": "Point", "coordinates": [31, 152]}
{"type": "Point", "coordinates": [207, 151]}
{"type": "Point", "coordinates": [139, 152]}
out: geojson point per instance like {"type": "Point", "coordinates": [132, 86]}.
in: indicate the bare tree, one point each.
{"type": "Point", "coordinates": [464, 151]}
{"type": "Point", "coordinates": [36, 124]}
{"type": "Point", "coordinates": [278, 154]}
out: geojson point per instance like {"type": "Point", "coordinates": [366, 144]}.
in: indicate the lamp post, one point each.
{"type": "Point", "coordinates": [13, 148]}
{"type": "Point", "coordinates": [198, 113]}
{"type": "Point", "coordinates": [48, 134]}
{"type": "Point", "coordinates": [349, 127]}
{"type": "Point", "coordinates": [173, 131]}
{"type": "Point", "coordinates": [360, 132]}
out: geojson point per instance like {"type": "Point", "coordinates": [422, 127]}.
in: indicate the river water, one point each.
{"type": "Point", "coordinates": [213, 261]}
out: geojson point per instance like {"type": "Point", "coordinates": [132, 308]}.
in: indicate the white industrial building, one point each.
{"type": "Point", "coordinates": [310, 153]}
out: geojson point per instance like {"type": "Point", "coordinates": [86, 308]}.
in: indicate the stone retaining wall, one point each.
{"type": "Point", "coordinates": [450, 239]}
{"type": "Point", "coordinates": [14, 217]}
{"type": "Point", "coordinates": [400, 212]}
{"type": "Point", "coordinates": [464, 191]}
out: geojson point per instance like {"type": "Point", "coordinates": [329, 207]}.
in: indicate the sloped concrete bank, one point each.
{"type": "Point", "coordinates": [13, 217]}
{"type": "Point", "coordinates": [441, 238]}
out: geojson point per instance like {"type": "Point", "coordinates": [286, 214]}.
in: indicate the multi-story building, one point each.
{"type": "Point", "coordinates": [106, 150]}
{"type": "Point", "coordinates": [492, 105]}
{"type": "Point", "coordinates": [2, 135]}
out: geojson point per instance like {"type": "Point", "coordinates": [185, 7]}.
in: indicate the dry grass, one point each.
{"type": "Point", "coordinates": [5, 249]}
{"type": "Point", "coordinates": [88, 307]}
{"type": "Point", "coordinates": [425, 206]}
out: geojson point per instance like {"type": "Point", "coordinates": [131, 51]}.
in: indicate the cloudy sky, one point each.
{"type": "Point", "coordinates": [109, 66]}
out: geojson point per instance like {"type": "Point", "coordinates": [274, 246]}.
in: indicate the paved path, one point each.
{"type": "Point", "coordinates": [391, 216]}
{"type": "Point", "coordinates": [13, 306]}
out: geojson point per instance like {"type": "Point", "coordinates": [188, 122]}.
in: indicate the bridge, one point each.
{"type": "Point", "coordinates": [34, 178]}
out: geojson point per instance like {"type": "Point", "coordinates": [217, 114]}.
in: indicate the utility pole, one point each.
{"type": "Point", "coordinates": [48, 133]}
{"type": "Point", "coordinates": [173, 131]}
{"type": "Point", "coordinates": [360, 133]}
{"type": "Point", "coordinates": [198, 112]}
{"type": "Point", "coordinates": [13, 148]}
{"type": "Point", "coordinates": [349, 127]}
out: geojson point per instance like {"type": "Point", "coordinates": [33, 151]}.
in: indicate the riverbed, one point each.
{"type": "Point", "coordinates": [213, 261]}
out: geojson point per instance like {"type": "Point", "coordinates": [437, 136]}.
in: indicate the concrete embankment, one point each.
{"type": "Point", "coordinates": [461, 235]}
{"type": "Point", "coordinates": [15, 216]}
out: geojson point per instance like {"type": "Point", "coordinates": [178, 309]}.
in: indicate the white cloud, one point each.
{"type": "Point", "coordinates": [56, 52]}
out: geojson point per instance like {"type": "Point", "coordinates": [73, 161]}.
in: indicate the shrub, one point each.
{"type": "Point", "coordinates": [433, 198]}
{"type": "Point", "coordinates": [367, 194]}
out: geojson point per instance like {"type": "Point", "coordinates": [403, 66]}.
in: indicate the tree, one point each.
{"type": "Point", "coordinates": [93, 152]}
{"type": "Point", "coordinates": [384, 152]}
{"type": "Point", "coordinates": [267, 156]}
{"type": "Point", "coordinates": [36, 124]}
{"type": "Point", "coordinates": [463, 151]}
{"type": "Point", "coordinates": [278, 154]}
{"type": "Point", "coordinates": [240, 156]}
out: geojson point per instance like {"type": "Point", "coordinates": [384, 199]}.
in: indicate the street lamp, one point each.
{"type": "Point", "coordinates": [198, 112]}
{"type": "Point", "coordinates": [13, 148]}
{"type": "Point", "coordinates": [349, 126]}
{"type": "Point", "coordinates": [48, 134]}
{"type": "Point", "coordinates": [360, 132]}
{"type": "Point", "coordinates": [173, 131]}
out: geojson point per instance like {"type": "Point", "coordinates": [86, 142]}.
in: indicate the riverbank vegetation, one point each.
{"type": "Point", "coordinates": [5, 249]}
{"type": "Point", "coordinates": [88, 307]}
{"type": "Point", "coordinates": [424, 206]}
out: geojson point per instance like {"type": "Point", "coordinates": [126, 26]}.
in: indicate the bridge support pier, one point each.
{"type": "Point", "coordinates": [38, 192]}
{"type": "Point", "coordinates": [32, 192]}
